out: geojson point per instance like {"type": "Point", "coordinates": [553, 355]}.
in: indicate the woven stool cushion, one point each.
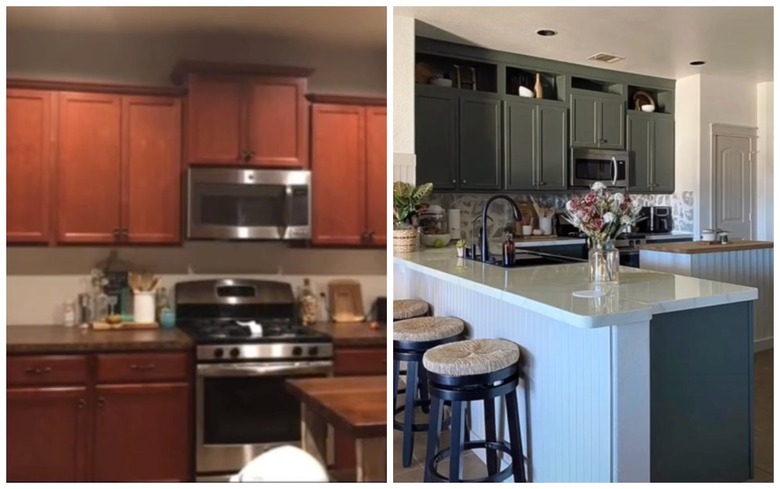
{"type": "Point", "coordinates": [409, 308]}
{"type": "Point", "coordinates": [427, 328]}
{"type": "Point", "coordinates": [471, 357]}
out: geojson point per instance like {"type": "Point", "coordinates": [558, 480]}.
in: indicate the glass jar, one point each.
{"type": "Point", "coordinates": [604, 263]}
{"type": "Point", "coordinates": [308, 304]}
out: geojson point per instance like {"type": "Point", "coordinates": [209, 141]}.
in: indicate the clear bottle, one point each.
{"type": "Point", "coordinates": [308, 304]}
{"type": "Point", "coordinates": [508, 252]}
{"type": "Point", "coordinates": [69, 314]}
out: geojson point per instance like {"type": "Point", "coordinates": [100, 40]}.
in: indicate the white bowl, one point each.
{"type": "Point", "coordinates": [524, 92]}
{"type": "Point", "coordinates": [648, 108]}
{"type": "Point", "coordinates": [429, 240]}
{"type": "Point", "coordinates": [441, 82]}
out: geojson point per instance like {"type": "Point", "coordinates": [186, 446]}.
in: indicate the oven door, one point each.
{"type": "Point", "coordinates": [244, 409]}
{"type": "Point", "coordinates": [589, 166]}
{"type": "Point", "coordinates": [233, 203]}
{"type": "Point", "coordinates": [629, 258]}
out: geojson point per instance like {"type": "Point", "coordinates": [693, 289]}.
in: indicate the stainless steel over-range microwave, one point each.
{"type": "Point", "coordinates": [588, 166]}
{"type": "Point", "coordinates": [243, 203]}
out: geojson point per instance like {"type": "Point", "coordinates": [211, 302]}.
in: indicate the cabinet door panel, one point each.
{"type": "Point", "coordinates": [28, 165]}
{"type": "Point", "coordinates": [151, 156]}
{"type": "Point", "coordinates": [521, 148]}
{"type": "Point", "coordinates": [376, 174]}
{"type": "Point", "coordinates": [88, 168]}
{"type": "Point", "coordinates": [639, 136]}
{"type": "Point", "coordinates": [553, 154]}
{"type": "Point", "coordinates": [142, 432]}
{"type": "Point", "coordinates": [214, 120]}
{"type": "Point", "coordinates": [436, 133]}
{"type": "Point", "coordinates": [663, 155]}
{"type": "Point", "coordinates": [480, 143]}
{"type": "Point", "coordinates": [583, 124]}
{"type": "Point", "coordinates": [277, 122]}
{"type": "Point", "coordinates": [338, 174]}
{"type": "Point", "coordinates": [613, 123]}
{"type": "Point", "coordinates": [46, 437]}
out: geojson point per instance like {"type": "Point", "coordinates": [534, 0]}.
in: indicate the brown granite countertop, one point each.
{"type": "Point", "coordinates": [697, 247]}
{"type": "Point", "coordinates": [59, 339]}
{"type": "Point", "coordinates": [354, 334]}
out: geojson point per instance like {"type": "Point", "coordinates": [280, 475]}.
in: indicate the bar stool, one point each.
{"type": "Point", "coordinates": [411, 339]}
{"type": "Point", "coordinates": [409, 308]}
{"type": "Point", "coordinates": [466, 371]}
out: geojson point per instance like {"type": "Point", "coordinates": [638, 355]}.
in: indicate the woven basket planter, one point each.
{"type": "Point", "coordinates": [404, 240]}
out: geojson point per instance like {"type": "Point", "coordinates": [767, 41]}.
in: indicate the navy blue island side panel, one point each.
{"type": "Point", "coordinates": [701, 394]}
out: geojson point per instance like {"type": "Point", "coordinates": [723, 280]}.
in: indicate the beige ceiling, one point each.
{"type": "Point", "coordinates": [658, 41]}
{"type": "Point", "coordinates": [356, 26]}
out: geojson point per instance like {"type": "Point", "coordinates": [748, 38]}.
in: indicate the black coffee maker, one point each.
{"type": "Point", "coordinates": [657, 220]}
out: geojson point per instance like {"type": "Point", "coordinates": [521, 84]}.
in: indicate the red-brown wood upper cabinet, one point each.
{"type": "Point", "coordinates": [349, 172]}
{"type": "Point", "coordinates": [118, 169]}
{"type": "Point", "coordinates": [28, 165]}
{"type": "Point", "coordinates": [245, 114]}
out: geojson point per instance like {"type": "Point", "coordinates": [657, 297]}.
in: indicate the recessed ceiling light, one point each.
{"type": "Point", "coordinates": [546, 32]}
{"type": "Point", "coordinates": [697, 63]}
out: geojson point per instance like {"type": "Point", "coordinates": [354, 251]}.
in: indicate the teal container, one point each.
{"type": "Point", "coordinates": [167, 319]}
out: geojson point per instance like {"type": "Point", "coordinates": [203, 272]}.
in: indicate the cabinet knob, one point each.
{"type": "Point", "coordinates": [124, 232]}
{"type": "Point", "coordinates": [148, 366]}
{"type": "Point", "coordinates": [116, 232]}
{"type": "Point", "coordinates": [542, 183]}
{"type": "Point", "coordinates": [454, 181]}
{"type": "Point", "coordinates": [101, 402]}
{"type": "Point", "coordinates": [463, 181]}
{"type": "Point", "coordinates": [82, 404]}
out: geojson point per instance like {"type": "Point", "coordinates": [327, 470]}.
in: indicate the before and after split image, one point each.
{"type": "Point", "coordinates": [552, 262]}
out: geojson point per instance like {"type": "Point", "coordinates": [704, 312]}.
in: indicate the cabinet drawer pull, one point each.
{"type": "Point", "coordinates": [37, 370]}
{"type": "Point", "coordinates": [148, 366]}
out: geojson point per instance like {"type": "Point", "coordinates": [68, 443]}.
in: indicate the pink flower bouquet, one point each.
{"type": "Point", "coordinates": [601, 214]}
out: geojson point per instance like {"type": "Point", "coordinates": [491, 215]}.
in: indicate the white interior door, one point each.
{"type": "Point", "coordinates": [734, 188]}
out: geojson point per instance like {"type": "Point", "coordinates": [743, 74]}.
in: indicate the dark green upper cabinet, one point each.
{"type": "Point", "coordinates": [436, 137]}
{"type": "Point", "coordinates": [597, 121]}
{"type": "Point", "coordinates": [480, 142]}
{"type": "Point", "coordinates": [651, 151]}
{"type": "Point", "coordinates": [536, 154]}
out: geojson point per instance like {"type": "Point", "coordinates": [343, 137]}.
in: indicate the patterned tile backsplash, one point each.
{"type": "Point", "coordinates": [471, 205]}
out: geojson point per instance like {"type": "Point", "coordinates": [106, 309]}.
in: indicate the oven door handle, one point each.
{"type": "Point", "coordinates": [614, 171]}
{"type": "Point", "coordinates": [263, 369]}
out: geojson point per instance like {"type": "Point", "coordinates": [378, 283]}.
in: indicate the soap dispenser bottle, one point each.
{"type": "Point", "coordinates": [508, 255]}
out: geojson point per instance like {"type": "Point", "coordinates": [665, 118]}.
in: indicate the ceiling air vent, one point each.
{"type": "Point", "coordinates": [606, 58]}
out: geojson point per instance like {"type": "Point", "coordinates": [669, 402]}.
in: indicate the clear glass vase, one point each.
{"type": "Point", "coordinates": [604, 263]}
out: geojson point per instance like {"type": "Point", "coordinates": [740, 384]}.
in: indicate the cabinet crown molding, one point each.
{"type": "Point", "coordinates": [94, 87]}
{"type": "Point", "coordinates": [185, 67]}
{"type": "Point", "coordinates": [318, 98]}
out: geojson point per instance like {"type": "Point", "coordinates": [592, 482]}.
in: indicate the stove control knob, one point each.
{"type": "Point", "coordinates": [234, 352]}
{"type": "Point", "coordinates": [313, 351]}
{"type": "Point", "coordinates": [219, 352]}
{"type": "Point", "coordinates": [297, 351]}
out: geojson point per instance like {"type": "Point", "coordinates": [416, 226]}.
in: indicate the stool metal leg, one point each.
{"type": "Point", "coordinates": [396, 375]}
{"type": "Point", "coordinates": [423, 376]}
{"type": "Point", "coordinates": [456, 441]}
{"type": "Point", "coordinates": [515, 438]}
{"type": "Point", "coordinates": [490, 435]}
{"type": "Point", "coordinates": [434, 431]}
{"type": "Point", "coordinates": [411, 392]}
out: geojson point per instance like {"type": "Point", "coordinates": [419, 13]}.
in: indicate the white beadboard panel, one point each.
{"type": "Point", "coordinates": [679, 263]}
{"type": "Point", "coordinates": [566, 399]}
{"type": "Point", "coordinates": [404, 166]}
{"type": "Point", "coordinates": [631, 402]}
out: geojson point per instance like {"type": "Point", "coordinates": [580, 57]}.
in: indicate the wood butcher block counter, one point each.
{"type": "Point", "coordinates": [26, 340]}
{"type": "Point", "coordinates": [697, 247]}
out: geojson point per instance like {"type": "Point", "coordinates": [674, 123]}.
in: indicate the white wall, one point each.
{"type": "Point", "coordinates": [765, 161]}
{"type": "Point", "coordinates": [726, 100]}
{"type": "Point", "coordinates": [403, 99]}
{"type": "Point", "coordinates": [687, 145]}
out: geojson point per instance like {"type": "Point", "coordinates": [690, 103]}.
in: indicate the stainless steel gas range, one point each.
{"type": "Point", "coordinates": [248, 343]}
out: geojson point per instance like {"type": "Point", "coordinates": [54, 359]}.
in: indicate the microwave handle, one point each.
{"type": "Point", "coordinates": [614, 171]}
{"type": "Point", "coordinates": [288, 204]}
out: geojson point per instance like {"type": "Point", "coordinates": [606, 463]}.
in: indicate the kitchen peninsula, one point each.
{"type": "Point", "coordinates": [652, 381]}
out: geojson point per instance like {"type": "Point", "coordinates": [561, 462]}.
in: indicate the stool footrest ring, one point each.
{"type": "Point", "coordinates": [500, 476]}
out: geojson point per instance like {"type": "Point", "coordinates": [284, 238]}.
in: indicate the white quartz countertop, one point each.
{"type": "Point", "coordinates": [548, 289]}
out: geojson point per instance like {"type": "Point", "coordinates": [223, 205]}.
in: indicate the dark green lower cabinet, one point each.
{"type": "Point", "coordinates": [535, 146]}
{"type": "Point", "coordinates": [480, 142]}
{"type": "Point", "coordinates": [436, 137]}
{"type": "Point", "coordinates": [651, 150]}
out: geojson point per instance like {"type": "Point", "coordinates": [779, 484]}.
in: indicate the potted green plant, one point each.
{"type": "Point", "coordinates": [460, 246]}
{"type": "Point", "coordinates": [406, 201]}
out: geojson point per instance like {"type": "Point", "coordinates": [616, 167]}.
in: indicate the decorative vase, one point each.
{"type": "Point", "coordinates": [404, 240]}
{"type": "Point", "coordinates": [538, 87]}
{"type": "Point", "coordinates": [604, 263]}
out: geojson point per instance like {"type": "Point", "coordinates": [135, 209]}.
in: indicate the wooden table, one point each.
{"type": "Point", "coordinates": [353, 405]}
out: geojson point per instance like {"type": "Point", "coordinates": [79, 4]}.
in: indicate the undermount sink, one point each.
{"type": "Point", "coordinates": [525, 259]}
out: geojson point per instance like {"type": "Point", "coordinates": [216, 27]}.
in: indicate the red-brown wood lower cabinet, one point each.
{"type": "Point", "coordinates": [355, 361]}
{"type": "Point", "coordinates": [135, 425]}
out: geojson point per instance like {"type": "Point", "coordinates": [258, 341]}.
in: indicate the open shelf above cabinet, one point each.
{"type": "Point", "coordinates": [599, 86]}
{"type": "Point", "coordinates": [662, 99]}
{"type": "Point", "coordinates": [464, 74]}
{"type": "Point", "coordinates": [552, 84]}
